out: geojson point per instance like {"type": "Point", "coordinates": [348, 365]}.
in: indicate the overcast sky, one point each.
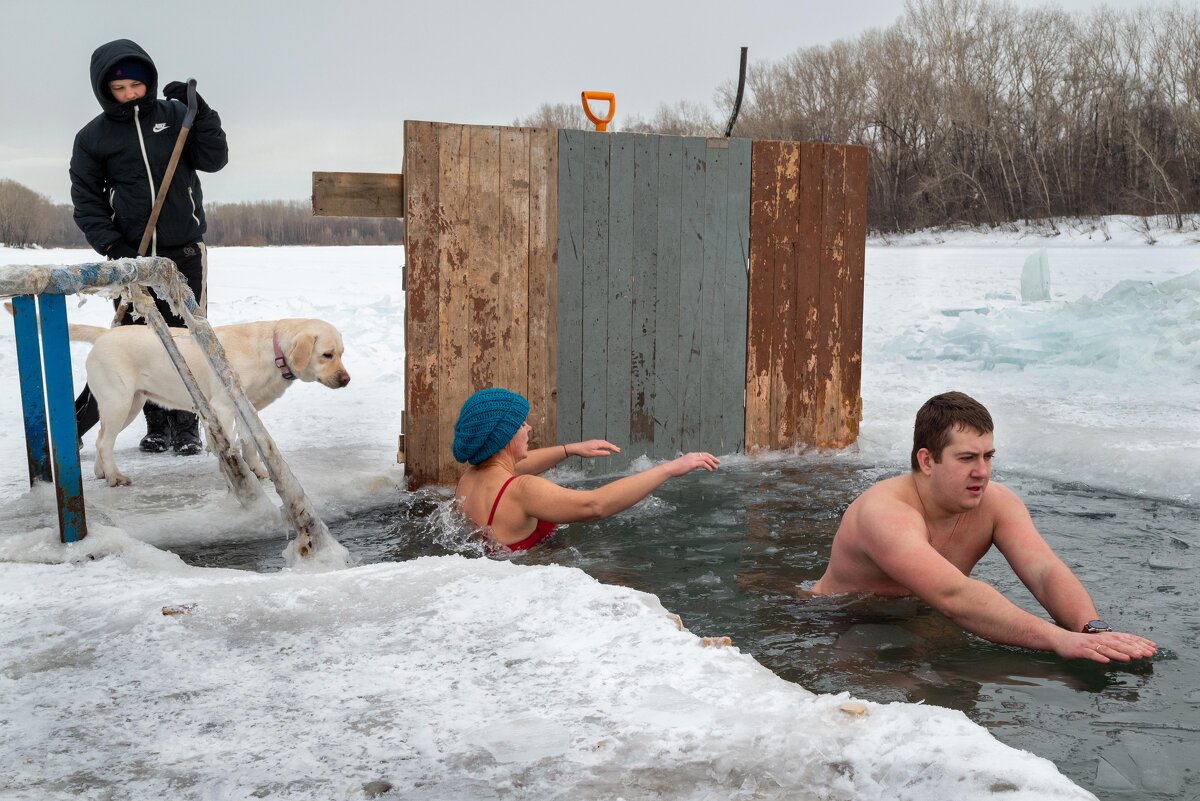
{"type": "Point", "coordinates": [307, 86]}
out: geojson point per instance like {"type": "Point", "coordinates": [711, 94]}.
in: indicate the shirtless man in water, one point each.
{"type": "Point", "coordinates": [922, 534]}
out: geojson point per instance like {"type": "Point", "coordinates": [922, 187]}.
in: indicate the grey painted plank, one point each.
{"type": "Point", "coordinates": [713, 389]}
{"type": "Point", "coordinates": [620, 297]}
{"type": "Point", "coordinates": [691, 274]}
{"type": "Point", "coordinates": [736, 286]}
{"type": "Point", "coordinates": [645, 290]}
{"type": "Point", "coordinates": [569, 405]}
{"type": "Point", "coordinates": [595, 288]}
{"type": "Point", "coordinates": [667, 432]}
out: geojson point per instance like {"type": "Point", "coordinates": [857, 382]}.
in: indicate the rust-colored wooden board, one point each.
{"type": "Point", "coordinates": [852, 314]}
{"type": "Point", "coordinates": [421, 248]}
{"type": "Point", "coordinates": [811, 209]}
{"type": "Point", "coordinates": [358, 194]}
{"type": "Point", "coordinates": [831, 301]}
{"type": "Point", "coordinates": [804, 349]}
{"type": "Point", "coordinates": [764, 210]}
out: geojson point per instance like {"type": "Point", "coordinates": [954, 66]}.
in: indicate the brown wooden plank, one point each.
{"type": "Point", "coordinates": [811, 213]}
{"type": "Point", "coordinates": [852, 309]}
{"type": "Point", "coordinates": [485, 250]}
{"type": "Point", "coordinates": [454, 264]}
{"type": "Point", "coordinates": [784, 234]}
{"type": "Point", "coordinates": [764, 209]}
{"type": "Point", "coordinates": [512, 303]}
{"type": "Point", "coordinates": [357, 194]}
{"type": "Point", "coordinates": [543, 284]}
{"type": "Point", "coordinates": [829, 303]}
{"type": "Point", "coordinates": [420, 308]}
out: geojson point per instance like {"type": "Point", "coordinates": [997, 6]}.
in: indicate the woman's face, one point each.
{"type": "Point", "coordinates": [519, 444]}
{"type": "Point", "coordinates": [125, 90]}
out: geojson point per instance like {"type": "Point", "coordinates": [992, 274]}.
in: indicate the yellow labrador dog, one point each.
{"type": "Point", "coordinates": [128, 365]}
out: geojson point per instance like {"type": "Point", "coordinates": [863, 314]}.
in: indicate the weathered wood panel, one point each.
{"type": "Point", "coordinates": [357, 194]}
{"type": "Point", "coordinates": [691, 277]}
{"type": "Point", "coordinates": [543, 284]}
{"type": "Point", "coordinates": [643, 316]}
{"type": "Point", "coordinates": [764, 208]}
{"type": "Point", "coordinates": [619, 380]}
{"type": "Point", "coordinates": [850, 400]}
{"type": "Point", "coordinates": [806, 278]}
{"type": "Point", "coordinates": [481, 223]}
{"type": "Point", "coordinates": [569, 409]}
{"type": "Point", "coordinates": [595, 285]}
{"type": "Point", "coordinates": [811, 209]}
{"type": "Point", "coordinates": [454, 266]}
{"type": "Point", "coordinates": [736, 288]}
{"type": "Point", "coordinates": [483, 285]}
{"type": "Point", "coordinates": [713, 392]}
{"type": "Point", "coordinates": [667, 400]}
{"type": "Point", "coordinates": [421, 356]}
{"type": "Point", "coordinates": [512, 288]}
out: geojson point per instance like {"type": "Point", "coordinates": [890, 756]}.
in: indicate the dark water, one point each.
{"type": "Point", "coordinates": [732, 552]}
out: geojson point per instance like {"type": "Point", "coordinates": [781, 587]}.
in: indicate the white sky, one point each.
{"type": "Point", "coordinates": [305, 86]}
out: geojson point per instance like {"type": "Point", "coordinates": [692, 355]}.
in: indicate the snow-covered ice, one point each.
{"type": "Point", "coordinates": [449, 677]}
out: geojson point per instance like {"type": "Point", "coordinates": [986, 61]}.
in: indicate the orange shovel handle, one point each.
{"type": "Point", "coordinates": [601, 124]}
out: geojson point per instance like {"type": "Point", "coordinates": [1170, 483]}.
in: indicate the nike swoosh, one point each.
{"type": "Point", "coordinates": [160, 127]}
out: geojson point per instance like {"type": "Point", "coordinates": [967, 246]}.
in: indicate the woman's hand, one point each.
{"type": "Point", "coordinates": [591, 448]}
{"type": "Point", "coordinates": [692, 461]}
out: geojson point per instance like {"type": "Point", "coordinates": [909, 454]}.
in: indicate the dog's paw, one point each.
{"type": "Point", "coordinates": [118, 480]}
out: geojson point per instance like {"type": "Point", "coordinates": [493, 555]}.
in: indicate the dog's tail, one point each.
{"type": "Point", "coordinates": [79, 333]}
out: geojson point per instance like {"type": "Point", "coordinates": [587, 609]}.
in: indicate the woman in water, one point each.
{"type": "Point", "coordinates": [502, 493]}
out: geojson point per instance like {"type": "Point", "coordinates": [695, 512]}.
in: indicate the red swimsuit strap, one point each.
{"type": "Point", "coordinates": [498, 495]}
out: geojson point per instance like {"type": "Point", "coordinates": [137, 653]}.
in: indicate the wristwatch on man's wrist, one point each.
{"type": "Point", "coordinates": [1095, 627]}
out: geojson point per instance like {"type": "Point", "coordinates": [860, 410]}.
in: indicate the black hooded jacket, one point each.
{"type": "Point", "coordinates": [116, 173]}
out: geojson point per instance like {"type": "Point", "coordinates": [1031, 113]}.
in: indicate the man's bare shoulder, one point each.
{"type": "Point", "coordinates": [895, 494]}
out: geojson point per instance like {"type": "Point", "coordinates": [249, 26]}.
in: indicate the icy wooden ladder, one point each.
{"type": "Point", "coordinates": [28, 284]}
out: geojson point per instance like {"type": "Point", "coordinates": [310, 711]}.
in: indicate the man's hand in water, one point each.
{"type": "Point", "coordinates": [1105, 647]}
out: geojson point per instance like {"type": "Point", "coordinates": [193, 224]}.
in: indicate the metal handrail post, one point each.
{"type": "Point", "coordinates": [60, 398]}
{"type": "Point", "coordinates": [33, 395]}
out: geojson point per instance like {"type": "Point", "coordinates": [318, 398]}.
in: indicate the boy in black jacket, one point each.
{"type": "Point", "coordinates": [117, 167]}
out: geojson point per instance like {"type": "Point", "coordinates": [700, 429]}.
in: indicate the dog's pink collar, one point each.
{"type": "Point", "coordinates": [281, 362]}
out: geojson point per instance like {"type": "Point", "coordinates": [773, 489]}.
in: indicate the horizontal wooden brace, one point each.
{"type": "Point", "coordinates": [357, 194]}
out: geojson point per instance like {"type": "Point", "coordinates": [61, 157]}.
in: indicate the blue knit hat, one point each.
{"type": "Point", "coordinates": [487, 421]}
{"type": "Point", "coordinates": [128, 69]}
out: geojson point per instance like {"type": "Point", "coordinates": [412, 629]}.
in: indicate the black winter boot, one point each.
{"type": "Point", "coordinates": [185, 433]}
{"type": "Point", "coordinates": [158, 429]}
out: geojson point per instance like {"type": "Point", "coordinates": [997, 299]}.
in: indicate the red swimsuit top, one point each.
{"type": "Point", "coordinates": [541, 531]}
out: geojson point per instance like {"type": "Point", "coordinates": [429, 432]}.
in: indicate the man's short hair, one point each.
{"type": "Point", "coordinates": [942, 414]}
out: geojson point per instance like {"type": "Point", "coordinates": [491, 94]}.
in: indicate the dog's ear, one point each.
{"type": "Point", "coordinates": [300, 352]}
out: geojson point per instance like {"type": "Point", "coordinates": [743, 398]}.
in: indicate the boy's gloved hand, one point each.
{"type": "Point", "coordinates": [121, 250]}
{"type": "Point", "coordinates": [177, 90]}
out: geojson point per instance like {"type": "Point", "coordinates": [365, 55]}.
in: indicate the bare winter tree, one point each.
{"type": "Point", "coordinates": [556, 115]}
{"type": "Point", "coordinates": [25, 216]}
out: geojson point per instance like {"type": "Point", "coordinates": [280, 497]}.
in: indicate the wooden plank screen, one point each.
{"type": "Point", "coordinates": [480, 220]}
{"type": "Point", "coordinates": [807, 233]}
{"type": "Point", "coordinates": [653, 243]}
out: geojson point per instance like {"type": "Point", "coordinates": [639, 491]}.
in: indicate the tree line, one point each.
{"type": "Point", "coordinates": [978, 112]}
{"type": "Point", "coordinates": [27, 218]}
